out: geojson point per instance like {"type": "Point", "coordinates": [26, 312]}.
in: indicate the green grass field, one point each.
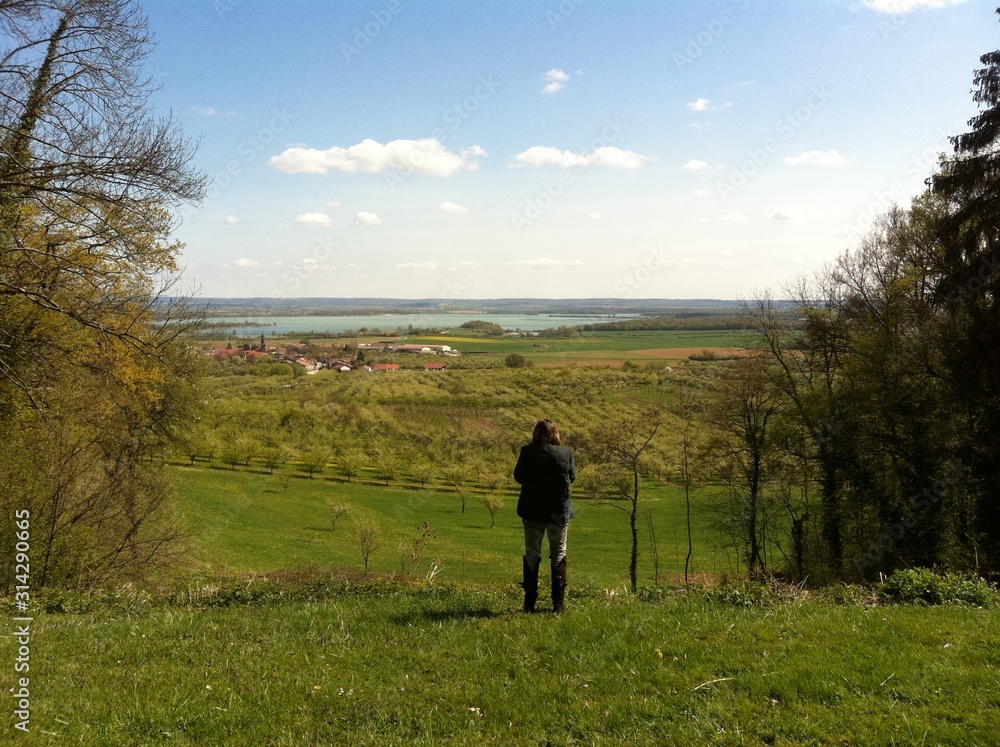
{"type": "Point", "coordinates": [594, 348]}
{"type": "Point", "coordinates": [268, 633]}
{"type": "Point", "coordinates": [384, 665]}
{"type": "Point", "coordinates": [246, 522]}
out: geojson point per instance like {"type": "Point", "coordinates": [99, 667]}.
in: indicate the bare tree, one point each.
{"type": "Point", "coordinates": [622, 445]}
{"type": "Point", "coordinates": [336, 511]}
{"type": "Point", "coordinates": [369, 538]}
{"type": "Point", "coordinates": [493, 504]}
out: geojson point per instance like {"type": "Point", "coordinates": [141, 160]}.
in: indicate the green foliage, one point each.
{"type": "Point", "coordinates": [516, 360]}
{"type": "Point", "coordinates": [486, 328]}
{"type": "Point", "coordinates": [924, 586]}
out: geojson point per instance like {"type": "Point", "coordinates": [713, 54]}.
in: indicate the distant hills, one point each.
{"type": "Point", "coordinates": [349, 306]}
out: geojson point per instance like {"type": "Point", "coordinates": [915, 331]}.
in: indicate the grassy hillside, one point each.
{"type": "Point", "coordinates": [382, 665]}
{"type": "Point", "coordinates": [246, 522]}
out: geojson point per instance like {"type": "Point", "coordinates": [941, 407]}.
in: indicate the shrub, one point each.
{"type": "Point", "coordinates": [924, 586]}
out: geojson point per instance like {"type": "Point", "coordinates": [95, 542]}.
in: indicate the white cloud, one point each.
{"type": "Point", "coordinates": [817, 158]}
{"type": "Point", "coordinates": [788, 213]}
{"type": "Point", "coordinates": [616, 158]}
{"type": "Point", "coordinates": [314, 219]}
{"type": "Point", "coordinates": [366, 219]}
{"type": "Point", "coordinates": [899, 7]}
{"type": "Point", "coordinates": [703, 193]}
{"type": "Point", "coordinates": [539, 155]}
{"type": "Point", "coordinates": [734, 218]}
{"type": "Point", "coordinates": [545, 262]}
{"type": "Point", "coordinates": [702, 105]}
{"type": "Point", "coordinates": [416, 266]}
{"type": "Point", "coordinates": [555, 80]}
{"type": "Point", "coordinates": [452, 207]}
{"type": "Point", "coordinates": [231, 219]}
{"type": "Point", "coordinates": [247, 263]}
{"type": "Point", "coordinates": [334, 204]}
{"type": "Point", "coordinates": [695, 165]}
{"type": "Point", "coordinates": [209, 111]}
{"type": "Point", "coordinates": [425, 156]}
{"type": "Point", "coordinates": [595, 216]}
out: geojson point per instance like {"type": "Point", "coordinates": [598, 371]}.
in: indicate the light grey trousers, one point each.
{"type": "Point", "coordinates": [533, 534]}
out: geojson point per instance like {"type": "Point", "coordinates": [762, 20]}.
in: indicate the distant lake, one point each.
{"type": "Point", "coordinates": [274, 325]}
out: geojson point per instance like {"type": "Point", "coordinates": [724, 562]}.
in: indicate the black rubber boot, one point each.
{"type": "Point", "coordinates": [530, 582]}
{"type": "Point", "coordinates": [559, 586]}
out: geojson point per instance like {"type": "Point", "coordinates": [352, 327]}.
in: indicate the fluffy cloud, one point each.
{"type": "Point", "coordinates": [607, 155]}
{"type": "Point", "coordinates": [703, 193]}
{"type": "Point", "coordinates": [366, 219]}
{"type": "Point", "coordinates": [695, 165]}
{"type": "Point", "coordinates": [545, 262]}
{"type": "Point", "coordinates": [425, 156]}
{"type": "Point", "coordinates": [452, 207]}
{"type": "Point", "coordinates": [247, 263]}
{"type": "Point", "coordinates": [595, 216]}
{"type": "Point", "coordinates": [314, 219]}
{"type": "Point", "coordinates": [899, 7]}
{"type": "Point", "coordinates": [702, 105]}
{"type": "Point", "coordinates": [817, 158]}
{"type": "Point", "coordinates": [555, 80]}
{"type": "Point", "coordinates": [231, 219]}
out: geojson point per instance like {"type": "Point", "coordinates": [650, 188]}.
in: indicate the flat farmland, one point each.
{"type": "Point", "coordinates": [604, 348]}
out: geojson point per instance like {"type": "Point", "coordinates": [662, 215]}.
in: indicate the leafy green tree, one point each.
{"type": "Point", "coordinates": [423, 470]}
{"type": "Point", "coordinates": [314, 460]}
{"type": "Point", "coordinates": [968, 237]}
{"type": "Point", "coordinates": [350, 463]}
{"type": "Point", "coordinates": [457, 476]}
{"type": "Point", "coordinates": [744, 454]}
{"type": "Point", "coordinates": [273, 457]}
{"type": "Point", "coordinates": [90, 382]}
{"type": "Point", "coordinates": [388, 466]}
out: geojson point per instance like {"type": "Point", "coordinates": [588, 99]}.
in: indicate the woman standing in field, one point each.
{"type": "Point", "coordinates": [545, 470]}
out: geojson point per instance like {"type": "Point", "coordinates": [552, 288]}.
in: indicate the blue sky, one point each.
{"type": "Point", "coordinates": [561, 149]}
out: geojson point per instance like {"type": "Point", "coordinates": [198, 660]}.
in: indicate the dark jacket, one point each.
{"type": "Point", "coordinates": [545, 472]}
